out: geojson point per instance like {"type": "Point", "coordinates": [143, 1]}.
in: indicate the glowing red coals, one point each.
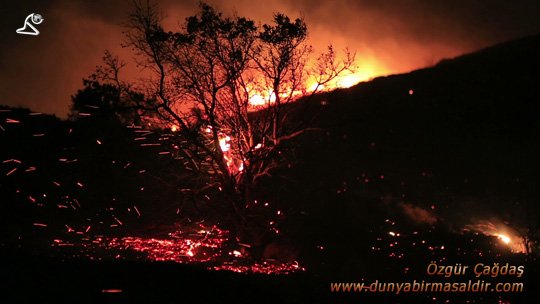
{"type": "Point", "coordinates": [206, 245]}
{"type": "Point", "coordinates": [269, 267]}
{"type": "Point", "coordinates": [181, 247]}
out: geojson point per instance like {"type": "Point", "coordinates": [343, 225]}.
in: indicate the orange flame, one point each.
{"type": "Point", "coordinates": [502, 232]}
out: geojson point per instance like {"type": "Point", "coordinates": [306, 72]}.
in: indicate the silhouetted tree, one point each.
{"type": "Point", "coordinates": [105, 97]}
{"type": "Point", "coordinates": [225, 84]}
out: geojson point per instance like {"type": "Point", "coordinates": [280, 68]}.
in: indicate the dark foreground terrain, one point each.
{"type": "Point", "coordinates": [42, 280]}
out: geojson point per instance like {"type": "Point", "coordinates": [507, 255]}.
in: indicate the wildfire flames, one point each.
{"type": "Point", "coordinates": [234, 164]}
{"type": "Point", "coordinates": [261, 98]}
{"type": "Point", "coordinates": [350, 79]}
{"type": "Point", "coordinates": [505, 239]}
{"type": "Point", "coordinates": [502, 232]}
{"type": "Point", "coordinates": [367, 71]}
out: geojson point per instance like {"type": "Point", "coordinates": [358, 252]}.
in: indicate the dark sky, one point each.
{"type": "Point", "coordinates": [41, 72]}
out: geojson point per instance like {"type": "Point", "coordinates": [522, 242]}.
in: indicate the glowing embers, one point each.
{"type": "Point", "coordinates": [206, 245]}
{"type": "Point", "coordinates": [199, 246]}
{"type": "Point", "coordinates": [176, 250]}
{"type": "Point", "coordinates": [269, 267]}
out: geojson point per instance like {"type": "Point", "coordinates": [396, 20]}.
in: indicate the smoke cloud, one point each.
{"type": "Point", "coordinates": [418, 214]}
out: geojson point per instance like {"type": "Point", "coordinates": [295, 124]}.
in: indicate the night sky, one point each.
{"type": "Point", "coordinates": [41, 72]}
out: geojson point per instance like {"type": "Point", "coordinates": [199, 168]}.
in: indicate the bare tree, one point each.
{"type": "Point", "coordinates": [226, 84]}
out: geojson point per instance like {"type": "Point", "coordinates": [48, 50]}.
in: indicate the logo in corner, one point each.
{"type": "Point", "coordinates": [29, 22]}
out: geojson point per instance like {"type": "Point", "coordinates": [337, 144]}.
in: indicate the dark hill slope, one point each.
{"type": "Point", "coordinates": [460, 140]}
{"type": "Point", "coordinates": [475, 117]}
